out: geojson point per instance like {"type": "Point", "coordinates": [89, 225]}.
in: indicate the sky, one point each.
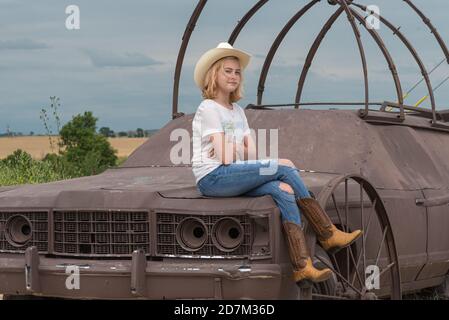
{"type": "Point", "coordinates": [120, 63]}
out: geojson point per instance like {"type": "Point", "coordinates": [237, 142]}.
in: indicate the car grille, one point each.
{"type": "Point", "coordinates": [39, 238]}
{"type": "Point", "coordinates": [167, 244]}
{"type": "Point", "coordinates": [100, 233]}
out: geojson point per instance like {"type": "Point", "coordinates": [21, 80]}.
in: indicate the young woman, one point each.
{"type": "Point", "coordinates": [222, 145]}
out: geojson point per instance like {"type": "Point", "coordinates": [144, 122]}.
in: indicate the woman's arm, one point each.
{"type": "Point", "coordinates": [228, 152]}
{"type": "Point", "coordinates": [224, 151]}
{"type": "Point", "coordinates": [249, 148]}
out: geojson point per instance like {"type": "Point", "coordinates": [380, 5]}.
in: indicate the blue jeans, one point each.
{"type": "Point", "coordinates": [246, 178]}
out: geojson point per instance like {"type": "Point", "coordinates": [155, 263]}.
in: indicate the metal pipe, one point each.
{"type": "Point", "coordinates": [412, 51]}
{"type": "Point", "coordinates": [422, 79]}
{"type": "Point", "coordinates": [344, 4]}
{"type": "Point", "coordinates": [432, 202]}
{"type": "Point", "coordinates": [242, 22]}
{"type": "Point", "coordinates": [185, 41]}
{"type": "Point", "coordinates": [433, 30]}
{"type": "Point", "coordinates": [313, 50]}
{"type": "Point", "coordinates": [330, 103]}
{"type": "Point", "coordinates": [387, 56]}
{"type": "Point", "coordinates": [435, 89]}
{"type": "Point", "coordinates": [274, 47]}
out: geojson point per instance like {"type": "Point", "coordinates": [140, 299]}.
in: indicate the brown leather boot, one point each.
{"type": "Point", "coordinates": [304, 273]}
{"type": "Point", "coordinates": [330, 238]}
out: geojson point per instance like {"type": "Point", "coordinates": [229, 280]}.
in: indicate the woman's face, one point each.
{"type": "Point", "coordinates": [229, 76]}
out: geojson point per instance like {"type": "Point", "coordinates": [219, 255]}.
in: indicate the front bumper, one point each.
{"type": "Point", "coordinates": [30, 273]}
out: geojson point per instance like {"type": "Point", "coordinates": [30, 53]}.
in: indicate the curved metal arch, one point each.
{"type": "Point", "coordinates": [387, 56]}
{"type": "Point", "coordinates": [197, 12]}
{"type": "Point", "coordinates": [274, 47]}
{"type": "Point", "coordinates": [185, 40]}
{"type": "Point", "coordinates": [433, 30]}
{"type": "Point", "coordinates": [235, 33]}
{"type": "Point", "coordinates": [313, 49]}
{"type": "Point", "coordinates": [412, 50]}
{"type": "Point", "coordinates": [356, 32]}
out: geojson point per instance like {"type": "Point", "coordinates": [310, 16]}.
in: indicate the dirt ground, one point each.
{"type": "Point", "coordinates": [39, 146]}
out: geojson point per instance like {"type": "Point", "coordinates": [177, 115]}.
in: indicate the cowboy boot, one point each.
{"type": "Point", "coordinates": [330, 238]}
{"type": "Point", "coordinates": [303, 270]}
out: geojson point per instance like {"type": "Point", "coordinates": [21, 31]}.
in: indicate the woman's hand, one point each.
{"type": "Point", "coordinates": [249, 148]}
{"type": "Point", "coordinates": [227, 152]}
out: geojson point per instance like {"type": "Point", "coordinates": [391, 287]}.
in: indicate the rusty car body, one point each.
{"type": "Point", "coordinates": [142, 230]}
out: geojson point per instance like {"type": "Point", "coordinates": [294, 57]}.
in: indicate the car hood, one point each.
{"type": "Point", "coordinates": [136, 188]}
{"type": "Point", "coordinates": [125, 188]}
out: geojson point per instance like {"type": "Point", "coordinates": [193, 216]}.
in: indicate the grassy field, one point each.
{"type": "Point", "coordinates": [39, 146]}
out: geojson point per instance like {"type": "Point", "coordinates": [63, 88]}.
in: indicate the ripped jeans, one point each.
{"type": "Point", "coordinates": [255, 178]}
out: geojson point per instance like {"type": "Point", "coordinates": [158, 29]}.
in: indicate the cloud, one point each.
{"type": "Point", "coordinates": [259, 55]}
{"type": "Point", "coordinates": [22, 44]}
{"type": "Point", "coordinates": [129, 59]}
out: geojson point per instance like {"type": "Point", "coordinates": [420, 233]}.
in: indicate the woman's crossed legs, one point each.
{"type": "Point", "coordinates": [278, 178]}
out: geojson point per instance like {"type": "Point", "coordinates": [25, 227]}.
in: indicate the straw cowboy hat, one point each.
{"type": "Point", "coordinates": [223, 49]}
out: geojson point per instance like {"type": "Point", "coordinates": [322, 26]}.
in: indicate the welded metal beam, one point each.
{"type": "Point", "coordinates": [185, 41]}
{"type": "Point", "coordinates": [412, 50]}
{"type": "Point", "coordinates": [344, 4]}
{"type": "Point", "coordinates": [433, 30]}
{"type": "Point", "coordinates": [274, 47]}
{"type": "Point", "coordinates": [387, 56]}
{"type": "Point", "coordinates": [312, 52]}
{"type": "Point", "coordinates": [242, 22]}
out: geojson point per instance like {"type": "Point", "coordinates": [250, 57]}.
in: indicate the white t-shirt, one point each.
{"type": "Point", "coordinates": [211, 117]}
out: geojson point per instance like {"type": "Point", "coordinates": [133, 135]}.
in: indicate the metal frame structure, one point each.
{"type": "Point", "coordinates": [133, 228]}
{"type": "Point", "coordinates": [352, 15]}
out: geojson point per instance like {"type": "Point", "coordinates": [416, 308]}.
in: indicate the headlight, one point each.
{"type": "Point", "coordinates": [18, 230]}
{"type": "Point", "coordinates": [191, 234]}
{"type": "Point", "coordinates": [227, 234]}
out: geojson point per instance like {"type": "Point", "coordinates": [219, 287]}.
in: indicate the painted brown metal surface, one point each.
{"type": "Point", "coordinates": [400, 161]}
{"type": "Point", "coordinates": [140, 230]}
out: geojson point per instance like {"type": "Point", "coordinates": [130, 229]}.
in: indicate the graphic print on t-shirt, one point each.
{"type": "Point", "coordinates": [233, 131]}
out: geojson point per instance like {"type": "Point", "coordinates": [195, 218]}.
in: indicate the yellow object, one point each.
{"type": "Point", "coordinates": [304, 273]}
{"type": "Point", "coordinates": [421, 100]}
{"type": "Point", "coordinates": [339, 239]}
{"type": "Point", "coordinates": [310, 273]}
{"type": "Point", "coordinates": [329, 236]}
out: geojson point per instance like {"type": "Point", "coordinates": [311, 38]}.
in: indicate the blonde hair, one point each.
{"type": "Point", "coordinates": [210, 88]}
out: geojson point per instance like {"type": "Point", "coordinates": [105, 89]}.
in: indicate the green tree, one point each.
{"type": "Point", "coordinates": [122, 134]}
{"type": "Point", "coordinates": [105, 131]}
{"type": "Point", "coordinates": [139, 133]}
{"type": "Point", "coordinates": [89, 152]}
